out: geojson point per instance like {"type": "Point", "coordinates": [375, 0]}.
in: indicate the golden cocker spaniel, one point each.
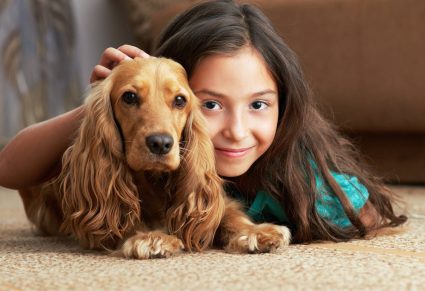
{"type": "Point", "coordinates": [140, 176]}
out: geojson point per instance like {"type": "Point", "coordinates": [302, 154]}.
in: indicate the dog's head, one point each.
{"type": "Point", "coordinates": [151, 102]}
{"type": "Point", "coordinates": [143, 117]}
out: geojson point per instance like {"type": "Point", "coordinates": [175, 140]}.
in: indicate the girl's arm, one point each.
{"type": "Point", "coordinates": [35, 152]}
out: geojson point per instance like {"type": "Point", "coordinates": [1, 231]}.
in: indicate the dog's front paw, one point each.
{"type": "Point", "coordinates": [259, 238]}
{"type": "Point", "coordinates": [151, 245]}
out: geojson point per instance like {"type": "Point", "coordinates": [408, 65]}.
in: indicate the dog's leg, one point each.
{"type": "Point", "coordinates": [43, 209]}
{"type": "Point", "coordinates": [237, 234]}
{"type": "Point", "coordinates": [149, 245]}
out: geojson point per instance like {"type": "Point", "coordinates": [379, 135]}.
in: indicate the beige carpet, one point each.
{"type": "Point", "coordinates": [29, 262]}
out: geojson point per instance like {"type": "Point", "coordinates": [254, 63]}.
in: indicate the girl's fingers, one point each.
{"type": "Point", "coordinates": [99, 72]}
{"type": "Point", "coordinates": [133, 51]}
{"type": "Point", "coordinates": [112, 56]}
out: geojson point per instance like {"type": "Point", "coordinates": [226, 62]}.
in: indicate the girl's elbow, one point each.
{"type": "Point", "coordinates": [6, 179]}
{"type": "Point", "coordinates": [3, 180]}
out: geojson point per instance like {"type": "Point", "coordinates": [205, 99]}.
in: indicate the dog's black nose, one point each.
{"type": "Point", "coordinates": [159, 144]}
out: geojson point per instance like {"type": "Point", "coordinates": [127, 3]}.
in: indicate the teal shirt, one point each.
{"type": "Point", "coordinates": [266, 208]}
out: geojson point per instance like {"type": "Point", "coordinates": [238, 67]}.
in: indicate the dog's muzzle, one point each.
{"type": "Point", "coordinates": [159, 144]}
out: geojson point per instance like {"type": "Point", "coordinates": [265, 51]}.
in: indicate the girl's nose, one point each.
{"type": "Point", "coordinates": [236, 127]}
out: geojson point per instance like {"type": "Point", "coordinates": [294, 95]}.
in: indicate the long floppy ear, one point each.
{"type": "Point", "coordinates": [99, 202]}
{"type": "Point", "coordinates": [198, 204]}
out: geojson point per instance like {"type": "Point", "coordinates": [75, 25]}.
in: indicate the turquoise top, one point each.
{"type": "Point", "coordinates": [265, 208]}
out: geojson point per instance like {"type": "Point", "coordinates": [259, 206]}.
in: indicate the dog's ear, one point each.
{"type": "Point", "coordinates": [100, 200]}
{"type": "Point", "coordinates": [198, 205]}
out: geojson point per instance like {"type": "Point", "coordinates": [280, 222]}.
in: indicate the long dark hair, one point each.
{"type": "Point", "coordinates": [305, 142]}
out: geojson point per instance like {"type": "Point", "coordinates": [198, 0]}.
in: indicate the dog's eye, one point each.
{"type": "Point", "coordinates": [130, 98]}
{"type": "Point", "coordinates": [179, 101]}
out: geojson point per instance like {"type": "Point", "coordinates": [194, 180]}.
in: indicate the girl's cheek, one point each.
{"type": "Point", "coordinates": [213, 122]}
{"type": "Point", "coordinates": [265, 126]}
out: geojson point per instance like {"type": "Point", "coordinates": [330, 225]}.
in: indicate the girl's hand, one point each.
{"type": "Point", "coordinates": [111, 57]}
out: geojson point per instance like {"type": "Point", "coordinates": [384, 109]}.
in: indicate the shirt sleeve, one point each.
{"type": "Point", "coordinates": [265, 208]}
{"type": "Point", "coordinates": [328, 205]}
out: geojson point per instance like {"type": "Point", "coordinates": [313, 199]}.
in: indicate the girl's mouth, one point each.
{"type": "Point", "coordinates": [232, 153]}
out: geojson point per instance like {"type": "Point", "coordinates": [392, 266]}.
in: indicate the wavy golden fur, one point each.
{"type": "Point", "coordinates": [140, 175]}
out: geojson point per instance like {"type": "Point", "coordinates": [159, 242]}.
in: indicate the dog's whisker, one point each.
{"type": "Point", "coordinates": [185, 150]}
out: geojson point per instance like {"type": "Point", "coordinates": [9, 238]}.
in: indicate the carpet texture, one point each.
{"type": "Point", "coordinates": [397, 262]}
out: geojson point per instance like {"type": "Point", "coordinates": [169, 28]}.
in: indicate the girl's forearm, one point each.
{"type": "Point", "coordinates": [36, 151]}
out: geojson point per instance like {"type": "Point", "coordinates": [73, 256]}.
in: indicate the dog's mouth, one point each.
{"type": "Point", "coordinates": [147, 161]}
{"type": "Point", "coordinates": [164, 163]}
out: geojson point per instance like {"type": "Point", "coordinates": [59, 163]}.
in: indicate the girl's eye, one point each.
{"type": "Point", "coordinates": [258, 105]}
{"type": "Point", "coordinates": [130, 98]}
{"type": "Point", "coordinates": [211, 105]}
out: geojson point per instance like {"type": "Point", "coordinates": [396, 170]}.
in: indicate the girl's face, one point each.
{"type": "Point", "coordinates": [240, 103]}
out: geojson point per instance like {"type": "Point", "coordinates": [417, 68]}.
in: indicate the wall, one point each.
{"type": "Point", "coordinates": [99, 24]}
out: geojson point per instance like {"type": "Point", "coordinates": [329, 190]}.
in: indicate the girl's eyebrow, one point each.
{"type": "Point", "coordinates": [220, 95]}
{"type": "Point", "coordinates": [210, 92]}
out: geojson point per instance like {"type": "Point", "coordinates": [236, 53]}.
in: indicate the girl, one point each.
{"type": "Point", "coordinates": [281, 158]}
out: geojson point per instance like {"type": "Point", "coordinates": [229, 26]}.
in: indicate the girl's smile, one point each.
{"type": "Point", "coordinates": [233, 153]}
{"type": "Point", "coordinates": [240, 103]}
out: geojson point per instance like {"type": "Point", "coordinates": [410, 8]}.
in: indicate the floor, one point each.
{"type": "Point", "coordinates": [394, 262]}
